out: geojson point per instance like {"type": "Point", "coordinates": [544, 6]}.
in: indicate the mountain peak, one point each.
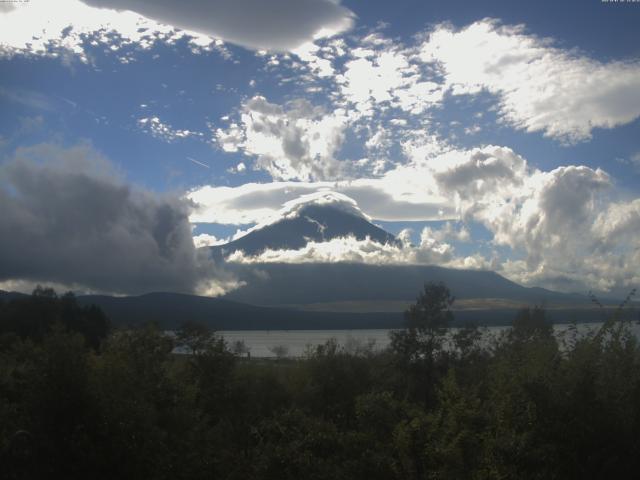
{"type": "Point", "coordinates": [317, 217]}
{"type": "Point", "coordinates": [323, 198]}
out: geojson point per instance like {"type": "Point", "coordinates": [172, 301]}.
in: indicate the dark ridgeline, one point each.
{"type": "Point", "coordinates": [524, 405]}
{"type": "Point", "coordinates": [166, 309]}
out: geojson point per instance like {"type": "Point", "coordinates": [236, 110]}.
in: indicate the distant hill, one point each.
{"type": "Point", "coordinates": [6, 296]}
{"type": "Point", "coordinates": [279, 283]}
{"type": "Point", "coordinates": [168, 310]}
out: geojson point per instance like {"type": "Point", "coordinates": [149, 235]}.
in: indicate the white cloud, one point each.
{"type": "Point", "coordinates": [442, 185]}
{"type": "Point", "coordinates": [537, 85]}
{"type": "Point", "coordinates": [570, 236]}
{"type": "Point", "coordinates": [336, 200]}
{"type": "Point", "coordinates": [230, 139]}
{"type": "Point", "coordinates": [298, 141]}
{"type": "Point", "coordinates": [252, 202]}
{"type": "Point", "coordinates": [550, 215]}
{"type": "Point", "coordinates": [206, 240]}
{"type": "Point", "coordinates": [447, 232]}
{"type": "Point", "coordinates": [352, 250]}
{"type": "Point", "coordinates": [618, 224]}
{"type": "Point", "coordinates": [311, 54]}
{"type": "Point", "coordinates": [274, 25]}
{"type": "Point", "coordinates": [540, 87]}
{"type": "Point", "coordinates": [165, 132]}
{"type": "Point", "coordinates": [480, 172]}
{"type": "Point", "coordinates": [64, 28]}
{"type": "Point", "coordinates": [239, 168]}
{"type": "Point", "coordinates": [385, 75]}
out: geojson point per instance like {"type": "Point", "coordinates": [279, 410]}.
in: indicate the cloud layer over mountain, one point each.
{"type": "Point", "coordinates": [563, 224]}
{"type": "Point", "coordinates": [67, 218]}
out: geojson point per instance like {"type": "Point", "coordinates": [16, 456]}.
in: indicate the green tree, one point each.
{"type": "Point", "coordinates": [34, 317]}
{"type": "Point", "coordinates": [419, 348]}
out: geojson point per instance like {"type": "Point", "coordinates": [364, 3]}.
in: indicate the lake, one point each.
{"type": "Point", "coordinates": [294, 343]}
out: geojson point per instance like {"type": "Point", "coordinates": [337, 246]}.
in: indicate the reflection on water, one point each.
{"type": "Point", "coordinates": [294, 343]}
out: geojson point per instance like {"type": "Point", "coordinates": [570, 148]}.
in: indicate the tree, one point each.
{"type": "Point", "coordinates": [35, 316]}
{"type": "Point", "coordinates": [420, 345]}
{"type": "Point", "coordinates": [280, 351]}
{"type": "Point", "coordinates": [426, 323]}
{"type": "Point", "coordinates": [531, 324]}
{"type": "Point", "coordinates": [195, 336]}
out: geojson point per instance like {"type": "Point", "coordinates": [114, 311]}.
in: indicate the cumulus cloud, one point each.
{"type": "Point", "coordinates": [618, 226]}
{"type": "Point", "coordinates": [206, 240]}
{"type": "Point", "coordinates": [68, 219]}
{"type": "Point", "coordinates": [540, 87]}
{"type": "Point", "coordinates": [448, 232]}
{"type": "Point", "coordinates": [479, 171]}
{"type": "Point", "coordinates": [570, 236]}
{"type": "Point", "coordinates": [349, 249]}
{"type": "Point", "coordinates": [551, 215]}
{"type": "Point", "coordinates": [274, 25]}
{"type": "Point", "coordinates": [295, 142]}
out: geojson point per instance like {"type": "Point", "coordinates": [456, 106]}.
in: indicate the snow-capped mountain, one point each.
{"type": "Point", "coordinates": [317, 219]}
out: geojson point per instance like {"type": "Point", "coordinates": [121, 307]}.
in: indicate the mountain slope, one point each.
{"type": "Point", "coordinates": [169, 310]}
{"type": "Point", "coordinates": [330, 216]}
{"type": "Point", "coordinates": [281, 284]}
{"type": "Point", "coordinates": [312, 222]}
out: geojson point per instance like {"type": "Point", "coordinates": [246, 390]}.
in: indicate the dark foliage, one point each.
{"type": "Point", "coordinates": [34, 317]}
{"type": "Point", "coordinates": [437, 404]}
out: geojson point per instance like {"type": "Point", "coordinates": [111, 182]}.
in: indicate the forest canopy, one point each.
{"type": "Point", "coordinates": [78, 400]}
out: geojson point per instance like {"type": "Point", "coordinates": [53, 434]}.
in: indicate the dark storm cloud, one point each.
{"type": "Point", "coordinates": [67, 218]}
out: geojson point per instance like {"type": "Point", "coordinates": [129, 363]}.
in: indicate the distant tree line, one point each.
{"type": "Point", "coordinates": [78, 400]}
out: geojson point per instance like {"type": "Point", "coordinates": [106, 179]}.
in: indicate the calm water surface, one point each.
{"type": "Point", "coordinates": [295, 343]}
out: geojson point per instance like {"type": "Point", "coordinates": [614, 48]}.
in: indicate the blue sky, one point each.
{"type": "Point", "coordinates": [493, 134]}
